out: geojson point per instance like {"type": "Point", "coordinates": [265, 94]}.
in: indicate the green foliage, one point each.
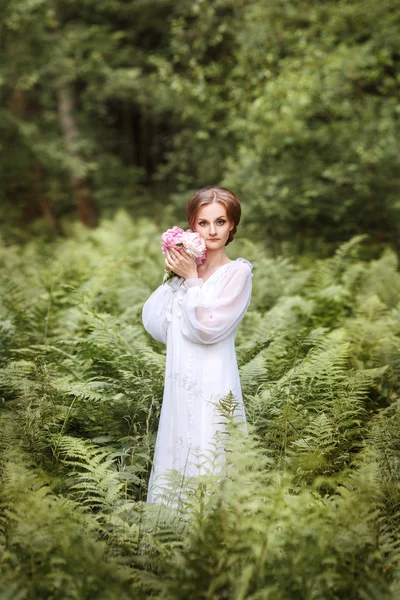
{"type": "Point", "coordinates": [48, 545]}
{"type": "Point", "coordinates": [99, 53]}
{"type": "Point", "coordinates": [254, 538]}
{"type": "Point", "coordinates": [293, 106]}
{"type": "Point", "coordinates": [306, 504]}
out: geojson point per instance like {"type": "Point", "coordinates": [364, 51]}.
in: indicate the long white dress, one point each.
{"type": "Point", "coordinates": [197, 320]}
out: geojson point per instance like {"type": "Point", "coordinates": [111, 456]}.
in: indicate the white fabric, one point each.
{"type": "Point", "coordinates": [197, 320]}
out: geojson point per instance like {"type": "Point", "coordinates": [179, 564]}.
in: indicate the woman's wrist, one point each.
{"type": "Point", "coordinates": [192, 275]}
{"type": "Point", "coordinates": [193, 282]}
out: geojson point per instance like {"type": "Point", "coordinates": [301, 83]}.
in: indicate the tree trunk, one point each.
{"type": "Point", "coordinates": [46, 206]}
{"type": "Point", "coordinates": [88, 210]}
{"type": "Point", "coordinates": [17, 103]}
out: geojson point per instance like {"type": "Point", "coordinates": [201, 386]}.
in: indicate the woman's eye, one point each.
{"type": "Point", "coordinates": [219, 222]}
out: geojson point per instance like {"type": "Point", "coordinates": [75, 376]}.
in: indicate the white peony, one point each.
{"type": "Point", "coordinates": [194, 244]}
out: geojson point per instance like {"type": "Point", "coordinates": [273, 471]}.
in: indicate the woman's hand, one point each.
{"type": "Point", "coordinates": [181, 263]}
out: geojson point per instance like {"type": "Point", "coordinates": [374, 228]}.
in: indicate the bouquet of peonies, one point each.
{"type": "Point", "coordinates": [188, 240]}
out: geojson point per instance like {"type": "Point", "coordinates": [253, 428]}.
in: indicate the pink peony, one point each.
{"type": "Point", "coordinates": [179, 239]}
{"type": "Point", "coordinates": [171, 238]}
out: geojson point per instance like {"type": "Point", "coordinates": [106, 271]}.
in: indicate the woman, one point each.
{"type": "Point", "coordinates": [196, 315]}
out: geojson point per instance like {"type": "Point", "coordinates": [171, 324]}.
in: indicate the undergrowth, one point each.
{"type": "Point", "coordinates": [308, 503]}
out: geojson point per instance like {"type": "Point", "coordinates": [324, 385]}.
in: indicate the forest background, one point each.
{"type": "Point", "coordinates": [111, 114]}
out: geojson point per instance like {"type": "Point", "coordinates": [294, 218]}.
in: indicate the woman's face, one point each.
{"type": "Point", "coordinates": [213, 225]}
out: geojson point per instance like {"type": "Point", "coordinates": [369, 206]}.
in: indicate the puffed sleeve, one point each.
{"type": "Point", "coordinates": [208, 320]}
{"type": "Point", "coordinates": [156, 312]}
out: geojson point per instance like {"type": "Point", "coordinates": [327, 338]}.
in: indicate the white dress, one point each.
{"type": "Point", "coordinates": [197, 320]}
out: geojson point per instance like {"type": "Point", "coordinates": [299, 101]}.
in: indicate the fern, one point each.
{"type": "Point", "coordinates": [306, 502]}
{"type": "Point", "coordinates": [49, 546]}
{"type": "Point", "coordinates": [92, 479]}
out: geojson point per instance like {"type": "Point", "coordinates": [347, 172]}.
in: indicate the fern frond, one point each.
{"type": "Point", "coordinates": [94, 479]}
